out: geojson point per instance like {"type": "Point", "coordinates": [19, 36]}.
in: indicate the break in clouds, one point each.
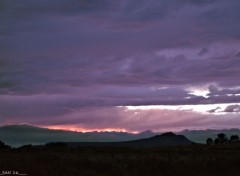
{"type": "Point", "coordinates": [80, 63]}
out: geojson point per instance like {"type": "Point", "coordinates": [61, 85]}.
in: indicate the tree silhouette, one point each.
{"type": "Point", "coordinates": [4, 146]}
{"type": "Point", "coordinates": [222, 138]}
{"type": "Point", "coordinates": [234, 139]}
{"type": "Point", "coordinates": [209, 141]}
{"type": "Point", "coordinates": [217, 141]}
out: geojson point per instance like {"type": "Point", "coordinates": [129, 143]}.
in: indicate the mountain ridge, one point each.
{"type": "Point", "coordinates": [165, 139]}
{"type": "Point", "coordinates": [23, 134]}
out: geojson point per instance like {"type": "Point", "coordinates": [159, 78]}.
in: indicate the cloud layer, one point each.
{"type": "Point", "coordinates": [60, 55]}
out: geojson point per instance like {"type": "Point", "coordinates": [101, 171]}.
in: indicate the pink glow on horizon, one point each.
{"type": "Point", "coordinates": [85, 130]}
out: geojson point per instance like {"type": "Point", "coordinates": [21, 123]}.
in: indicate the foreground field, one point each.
{"type": "Point", "coordinates": [168, 161]}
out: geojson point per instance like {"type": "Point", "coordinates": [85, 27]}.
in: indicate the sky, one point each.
{"type": "Point", "coordinates": [129, 65]}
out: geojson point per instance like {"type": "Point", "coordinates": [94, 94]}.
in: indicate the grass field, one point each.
{"type": "Point", "coordinates": [167, 161]}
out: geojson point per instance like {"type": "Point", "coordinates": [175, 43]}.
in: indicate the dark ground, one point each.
{"type": "Point", "coordinates": [165, 161]}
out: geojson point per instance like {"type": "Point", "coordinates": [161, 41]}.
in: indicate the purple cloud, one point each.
{"type": "Point", "coordinates": [232, 108]}
{"type": "Point", "coordinates": [58, 56]}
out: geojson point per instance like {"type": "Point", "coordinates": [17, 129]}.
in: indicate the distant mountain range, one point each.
{"type": "Point", "coordinates": [18, 135]}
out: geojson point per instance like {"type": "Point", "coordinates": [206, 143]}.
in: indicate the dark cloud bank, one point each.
{"type": "Point", "coordinates": [57, 56]}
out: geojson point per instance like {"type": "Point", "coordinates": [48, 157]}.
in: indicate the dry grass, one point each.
{"type": "Point", "coordinates": [171, 161]}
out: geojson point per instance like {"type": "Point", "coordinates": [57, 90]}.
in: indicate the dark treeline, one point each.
{"type": "Point", "coordinates": [223, 139]}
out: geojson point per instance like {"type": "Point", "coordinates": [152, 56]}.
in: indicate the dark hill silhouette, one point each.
{"type": "Point", "coordinates": [166, 139]}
